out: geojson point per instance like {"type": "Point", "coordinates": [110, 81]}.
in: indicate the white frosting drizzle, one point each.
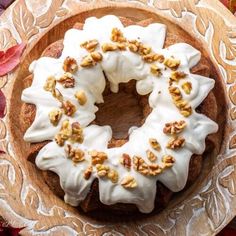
{"type": "Point", "coordinates": [119, 66]}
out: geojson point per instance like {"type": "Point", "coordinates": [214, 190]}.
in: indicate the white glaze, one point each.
{"type": "Point", "coordinates": [119, 66]}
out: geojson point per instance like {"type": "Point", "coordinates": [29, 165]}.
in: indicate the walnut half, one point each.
{"type": "Point", "coordinates": [129, 182]}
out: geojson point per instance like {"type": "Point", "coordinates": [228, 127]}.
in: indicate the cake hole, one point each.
{"type": "Point", "coordinates": [121, 110]}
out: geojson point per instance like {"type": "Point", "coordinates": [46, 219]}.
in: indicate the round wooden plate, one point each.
{"type": "Point", "coordinates": [26, 201]}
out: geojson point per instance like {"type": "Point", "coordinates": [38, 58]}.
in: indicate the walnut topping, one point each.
{"type": "Point", "coordinates": [175, 93]}
{"type": "Point", "coordinates": [64, 134]}
{"type": "Point", "coordinates": [154, 144]}
{"type": "Point", "coordinates": [50, 84]}
{"type": "Point", "coordinates": [55, 116]}
{"type": "Point", "coordinates": [154, 169]}
{"type": "Point", "coordinates": [174, 127]}
{"type": "Point", "coordinates": [77, 133]}
{"type": "Point", "coordinates": [88, 172]}
{"type": "Point", "coordinates": [102, 170]}
{"type": "Point", "coordinates": [155, 70]}
{"type": "Point", "coordinates": [113, 176]}
{"type": "Point", "coordinates": [106, 47]}
{"type": "Point", "coordinates": [138, 47]}
{"type": "Point", "coordinates": [80, 95]}
{"type": "Point", "coordinates": [133, 45]}
{"type": "Point", "coordinates": [70, 65]}
{"type": "Point", "coordinates": [144, 49]}
{"type": "Point", "coordinates": [177, 75]}
{"type": "Point", "coordinates": [90, 45]}
{"type": "Point", "coordinates": [60, 139]}
{"type": "Point", "coordinates": [172, 63]}
{"type": "Point", "coordinates": [187, 87]}
{"type": "Point", "coordinates": [151, 57]}
{"type": "Point", "coordinates": [87, 61]}
{"type": "Point", "coordinates": [168, 160]}
{"type": "Point", "coordinates": [98, 157]}
{"type": "Point", "coordinates": [129, 182]}
{"type": "Point", "coordinates": [184, 107]}
{"type": "Point", "coordinates": [75, 154]}
{"type": "Point", "coordinates": [67, 80]}
{"type": "Point", "coordinates": [96, 56]}
{"type": "Point", "coordinates": [57, 94]}
{"type": "Point", "coordinates": [79, 155]}
{"type": "Point", "coordinates": [151, 156]}
{"type": "Point", "coordinates": [175, 143]}
{"type": "Point", "coordinates": [121, 46]}
{"type": "Point", "coordinates": [117, 36]}
{"type": "Point", "coordinates": [140, 165]}
{"type": "Point", "coordinates": [68, 107]}
{"type": "Point", "coordinates": [126, 160]}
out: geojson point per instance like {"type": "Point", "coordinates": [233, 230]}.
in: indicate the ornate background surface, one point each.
{"type": "Point", "coordinates": [212, 207]}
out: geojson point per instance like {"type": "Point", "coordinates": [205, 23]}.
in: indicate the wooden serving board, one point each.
{"type": "Point", "coordinates": [26, 201]}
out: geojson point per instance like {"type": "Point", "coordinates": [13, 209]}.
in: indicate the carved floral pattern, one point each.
{"type": "Point", "coordinates": [211, 203]}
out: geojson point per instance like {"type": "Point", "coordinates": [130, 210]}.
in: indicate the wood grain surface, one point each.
{"type": "Point", "coordinates": [25, 200]}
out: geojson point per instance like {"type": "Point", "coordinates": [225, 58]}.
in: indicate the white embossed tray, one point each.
{"type": "Point", "coordinates": [25, 200]}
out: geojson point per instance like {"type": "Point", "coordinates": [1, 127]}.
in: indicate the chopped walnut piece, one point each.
{"type": "Point", "coordinates": [96, 56]}
{"type": "Point", "coordinates": [175, 143]}
{"type": "Point", "coordinates": [66, 129]}
{"type": "Point", "coordinates": [68, 107]}
{"type": "Point", "coordinates": [175, 93]}
{"type": "Point", "coordinates": [117, 36]}
{"type": "Point", "coordinates": [168, 161]}
{"type": "Point", "coordinates": [90, 45]}
{"type": "Point", "coordinates": [87, 61]}
{"type": "Point", "coordinates": [151, 57]}
{"type": "Point", "coordinates": [64, 134]}
{"type": "Point", "coordinates": [70, 65]}
{"type": "Point", "coordinates": [102, 170]}
{"type": "Point", "coordinates": [144, 49]}
{"type": "Point", "coordinates": [125, 160]}
{"type": "Point", "coordinates": [154, 144]}
{"type": "Point", "coordinates": [50, 84]}
{"type": "Point", "coordinates": [88, 172]}
{"type": "Point", "coordinates": [75, 154]}
{"type": "Point", "coordinates": [59, 139]}
{"type": "Point", "coordinates": [154, 169]}
{"type": "Point", "coordinates": [79, 156]}
{"type": "Point", "coordinates": [80, 95]}
{"type": "Point", "coordinates": [174, 127]}
{"type": "Point", "coordinates": [140, 165]}
{"type": "Point", "coordinates": [187, 87]}
{"type": "Point", "coordinates": [106, 47]}
{"type": "Point", "coordinates": [113, 176]}
{"type": "Point", "coordinates": [121, 46]}
{"type": "Point", "coordinates": [138, 47]}
{"type": "Point", "coordinates": [184, 107]}
{"type": "Point", "coordinates": [151, 156]}
{"type": "Point", "coordinates": [133, 45]}
{"type": "Point", "coordinates": [172, 63]}
{"type": "Point", "coordinates": [57, 94]}
{"type": "Point", "coordinates": [177, 75]}
{"type": "Point", "coordinates": [67, 80]}
{"type": "Point", "coordinates": [155, 70]}
{"type": "Point", "coordinates": [77, 133]}
{"type": "Point", "coordinates": [55, 116]}
{"type": "Point", "coordinates": [159, 58]}
{"type": "Point", "coordinates": [98, 157]}
{"type": "Point", "coordinates": [129, 182]}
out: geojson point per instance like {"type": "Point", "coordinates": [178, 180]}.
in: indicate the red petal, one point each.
{"type": "Point", "coordinates": [11, 58]}
{"type": "Point", "coordinates": [2, 104]}
{"type": "Point", "coordinates": [225, 2]}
